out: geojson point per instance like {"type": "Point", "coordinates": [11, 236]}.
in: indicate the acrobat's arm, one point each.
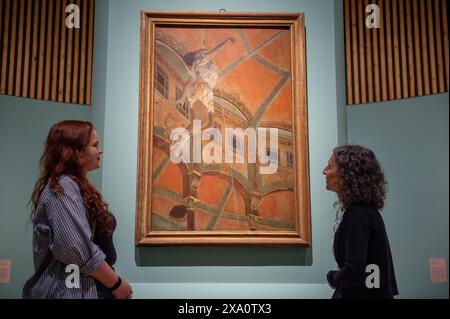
{"type": "Point", "coordinates": [219, 46]}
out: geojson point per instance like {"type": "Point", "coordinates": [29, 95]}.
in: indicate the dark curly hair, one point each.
{"type": "Point", "coordinates": [362, 178]}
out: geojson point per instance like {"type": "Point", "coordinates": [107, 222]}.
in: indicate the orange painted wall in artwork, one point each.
{"type": "Point", "coordinates": [278, 205]}
{"type": "Point", "coordinates": [235, 203]}
{"type": "Point", "coordinates": [211, 189]}
{"type": "Point", "coordinates": [278, 52]}
{"type": "Point", "coordinates": [252, 93]}
{"type": "Point", "coordinates": [230, 224]}
{"type": "Point", "coordinates": [170, 179]}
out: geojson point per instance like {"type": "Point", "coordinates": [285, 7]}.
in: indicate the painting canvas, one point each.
{"type": "Point", "coordinates": [222, 130]}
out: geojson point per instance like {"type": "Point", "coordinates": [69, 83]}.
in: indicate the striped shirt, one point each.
{"type": "Point", "coordinates": [62, 236]}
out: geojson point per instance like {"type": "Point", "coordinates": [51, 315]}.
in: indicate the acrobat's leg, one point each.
{"type": "Point", "coordinates": [187, 91]}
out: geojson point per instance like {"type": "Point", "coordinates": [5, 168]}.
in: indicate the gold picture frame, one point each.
{"type": "Point", "coordinates": [235, 72]}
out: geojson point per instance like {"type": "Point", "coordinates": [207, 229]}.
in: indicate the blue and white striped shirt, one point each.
{"type": "Point", "coordinates": [62, 236]}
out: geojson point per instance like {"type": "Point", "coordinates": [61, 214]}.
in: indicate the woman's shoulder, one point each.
{"type": "Point", "coordinates": [361, 207]}
{"type": "Point", "coordinates": [68, 183]}
{"type": "Point", "coordinates": [363, 212]}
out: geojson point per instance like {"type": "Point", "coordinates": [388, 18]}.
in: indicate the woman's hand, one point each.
{"type": "Point", "coordinates": [124, 291]}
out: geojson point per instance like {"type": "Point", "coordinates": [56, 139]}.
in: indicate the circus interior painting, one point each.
{"type": "Point", "coordinates": [237, 83]}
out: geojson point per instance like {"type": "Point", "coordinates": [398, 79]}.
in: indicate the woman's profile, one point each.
{"type": "Point", "coordinates": [72, 226]}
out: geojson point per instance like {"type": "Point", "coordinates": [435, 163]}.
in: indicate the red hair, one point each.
{"type": "Point", "coordinates": [63, 155]}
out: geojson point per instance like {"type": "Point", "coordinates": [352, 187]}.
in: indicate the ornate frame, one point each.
{"type": "Point", "coordinates": [153, 139]}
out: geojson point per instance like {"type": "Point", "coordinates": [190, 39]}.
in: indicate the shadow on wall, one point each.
{"type": "Point", "coordinates": [223, 256]}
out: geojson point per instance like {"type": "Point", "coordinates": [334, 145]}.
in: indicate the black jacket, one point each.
{"type": "Point", "coordinates": [361, 240]}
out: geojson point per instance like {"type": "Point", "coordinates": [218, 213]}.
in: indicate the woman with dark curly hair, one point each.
{"type": "Point", "coordinates": [361, 246]}
{"type": "Point", "coordinates": [72, 224]}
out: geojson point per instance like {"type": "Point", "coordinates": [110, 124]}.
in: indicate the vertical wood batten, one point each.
{"type": "Point", "coordinates": [361, 40]}
{"type": "Point", "coordinates": [418, 59]}
{"type": "Point", "coordinates": [20, 46]}
{"type": "Point", "coordinates": [371, 67]}
{"type": "Point", "coordinates": [410, 45]}
{"type": "Point", "coordinates": [382, 60]}
{"type": "Point", "coordinates": [395, 32]}
{"type": "Point", "coordinates": [76, 62]}
{"type": "Point", "coordinates": [348, 57]}
{"type": "Point", "coordinates": [445, 37]}
{"type": "Point", "coordinates": [39, 56]}
{"type": "Point", "coordinates": [27, 51]}
{"type": "Point", "coordinates": [404, 62]}
{"type": "Point", "coordinates": [40, 80]}
{"type": "Point", "coordinates": [5, 50]}
{"type": "Point", "coordinates": [34, 52]}
{"type": "Point", "coordinates": [62, 53]}
{"type": "Point", "coordinates": [426, 81]}
{"type": "Point", "coordinates": [12, 50]}
{"type": "Point", "coordinates": [355, 54]}
{"type": "Point", "coordinates": [48, 52]}
{"type": "Point", "coordinates": [69, 64]}
{"type": "Point", "coordinates": [431, 47]}
{"type": "Point", "coordinates": [440, 62]}
{"type": "Point", "coordinates": [1, 35]}
{"type": "Point", "coordinates": [84, 30]}
{"type": "Point", "coordinates": [56, 50]}
{"type": "Point", "coordinates": [90, 52]}
{"type": "Point", "coordinates": [390, 62]}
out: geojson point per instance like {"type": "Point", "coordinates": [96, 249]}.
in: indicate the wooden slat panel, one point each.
{"type": "Point", "coordinates": [56, 49]}
{"type": "Point", "coordinates": [440, 62]}
{"type": "Point", "coordinates": [12, 49]}
{"type": "Point", "coordinates": [445, 37]}
{"type": "Point", "coordinates": [384, 80]}
{"type": "Point", "coordinates": [431, 47]}
{"type": "Point", "coordinates": [20, 45]}
{"type": "Point", "coordinates": [362, 62]}
{"type": "Point", "coordinates": [418, 60]}
{"type": "Point", "coordinates": [39, 56]}
{"type": "Point", "coordinates": [355, 54]}
{"type": "Point", "coordinates": [5, 50]}
{"type": "Point", "coordinates": [348, 57]}
{"type": "Point", "coordinates": [90, 51]}
{"type": "Point", "coordinates": [370, 66]}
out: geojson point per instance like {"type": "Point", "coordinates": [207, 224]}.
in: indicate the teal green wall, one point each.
{"type": "Point", "coordinates": [410, 138]}
{"type": "Point", "coordinates": [206, 271]}
{"type": "Point", "coordinates": [222, 272]}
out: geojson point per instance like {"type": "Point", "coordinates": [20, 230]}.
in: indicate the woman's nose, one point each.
{"type": "Point", "coordinates": [324, 172]}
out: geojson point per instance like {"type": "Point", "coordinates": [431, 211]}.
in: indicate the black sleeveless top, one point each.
{"type": "Point", "coordinates": [105, 243]}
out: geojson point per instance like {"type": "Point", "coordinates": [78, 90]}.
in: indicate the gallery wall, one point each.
{"type": "Point", "coordinates": [24, 125]}
{"type": "Point", "coordinates": [410, 138]}
{"type": "Point", "coordinates": [222, 271]}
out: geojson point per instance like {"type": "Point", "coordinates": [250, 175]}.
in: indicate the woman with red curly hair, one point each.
{"type": "Point", "coordinates": [361, 246]}
{"type": "Point", "coordinates": [73, 251]}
